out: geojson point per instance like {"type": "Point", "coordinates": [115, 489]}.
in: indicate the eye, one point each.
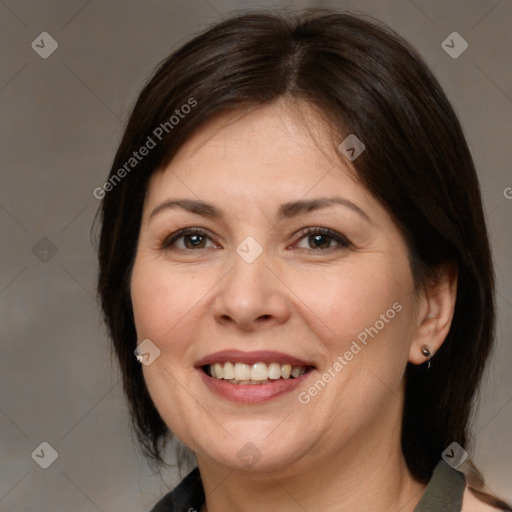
{"type": "Point", "coordinates": [187, 238]}
{"type": "Point", "coordinates": [318, 239]}
{"type": "Point", "coordinates": [311, 239]}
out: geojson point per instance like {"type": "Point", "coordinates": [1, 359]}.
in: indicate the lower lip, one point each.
{"type": "Point", "coordinates": [252, 393]}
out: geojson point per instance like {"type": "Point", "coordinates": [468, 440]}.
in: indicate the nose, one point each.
{"type": "Point", "coordinates": [251, 296]}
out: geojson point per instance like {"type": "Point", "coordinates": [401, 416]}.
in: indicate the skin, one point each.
{"type": "Point", "coordinates": [296, 298]}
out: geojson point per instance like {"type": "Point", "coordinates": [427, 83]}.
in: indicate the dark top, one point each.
{"type": "Point", "coordinates": [443, 493]}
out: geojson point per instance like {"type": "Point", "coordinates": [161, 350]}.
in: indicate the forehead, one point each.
{"type": "Point", "coordinates": [281, 124]}
{"type": "Point", "coordinates": [277, 150]}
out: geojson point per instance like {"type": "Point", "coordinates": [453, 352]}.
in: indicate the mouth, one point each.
{"type": "Point", "coordinates": [252, 376]}
{"type": "Point", "coordinates": [256, 374]}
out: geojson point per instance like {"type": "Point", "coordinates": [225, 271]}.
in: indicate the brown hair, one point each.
{"type": "Point", "coordinates": [367, 81]}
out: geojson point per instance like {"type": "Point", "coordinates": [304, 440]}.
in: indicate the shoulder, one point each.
{"type": "Point", "coordinates": [186, 497]}
{"type": "Point", "coordinates": [470, 503]}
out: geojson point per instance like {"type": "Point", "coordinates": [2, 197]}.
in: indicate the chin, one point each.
{"type": "Point", "coordinates": [253, 453]}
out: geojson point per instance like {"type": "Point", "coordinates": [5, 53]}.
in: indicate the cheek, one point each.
{"type": "Point", "coordinates": [363, 313]}
{"type": "Point", "coordinates": [163, 299]}
{"type": "Point", "coordinates": [165, 311]}
{"type": "Point", "coordinates": [348, 300]}
{"type": "Point", "coordinates": [364, 318]}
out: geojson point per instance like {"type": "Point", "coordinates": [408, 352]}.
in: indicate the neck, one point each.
{"type": "Point", "coordinates": [368, 473]}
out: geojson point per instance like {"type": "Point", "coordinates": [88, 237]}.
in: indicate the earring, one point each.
{"type": "Point", "coordinates": [426, 352]}
{"type": "Point", "coordinates": [138, 357]}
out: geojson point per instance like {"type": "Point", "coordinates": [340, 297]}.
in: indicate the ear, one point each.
{"type": "Point", "coordinates": [435, 313]}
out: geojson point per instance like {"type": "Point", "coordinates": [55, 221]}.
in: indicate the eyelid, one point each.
{"type": "Point", "coordinates": [341, 240]}
{"type": "Point", "coordinates": [170, 239]}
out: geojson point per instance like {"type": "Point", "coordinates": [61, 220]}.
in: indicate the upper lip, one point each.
{"type": "Point", "coordinates": [239, 356]}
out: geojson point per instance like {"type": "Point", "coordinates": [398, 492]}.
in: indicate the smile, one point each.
{"type": "Point", "coordinates": [252, 377]}
{"type": "Point", "coordinates": [257, 373]}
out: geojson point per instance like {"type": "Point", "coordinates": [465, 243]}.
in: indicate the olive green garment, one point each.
{"type": "Point", "coordinates": [443, 493]}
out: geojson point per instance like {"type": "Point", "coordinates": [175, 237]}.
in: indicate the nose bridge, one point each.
{"type": "Point", "coordinates": [247, 283]}
{"type": "Point", "coordinates": [250, 292]}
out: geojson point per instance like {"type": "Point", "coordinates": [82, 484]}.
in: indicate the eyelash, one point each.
{"type": "Point", "coordinates": [333, 235]}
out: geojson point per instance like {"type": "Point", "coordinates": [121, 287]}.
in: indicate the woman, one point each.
{"type": "Point", "coordinates": [295, 271]}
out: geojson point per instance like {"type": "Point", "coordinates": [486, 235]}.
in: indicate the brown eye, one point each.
{"type": "Point", "coordinates": [319, 241]}
{"type": "Point", "coordinates": [187, 239]}
{"type": "Point", "coordinates": [323, 239]}
{"type": "Point", "coordinates": [194, 241]}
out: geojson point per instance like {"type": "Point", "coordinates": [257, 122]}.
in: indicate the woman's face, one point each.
{"type": "Point", "coordinates": [290, 263]}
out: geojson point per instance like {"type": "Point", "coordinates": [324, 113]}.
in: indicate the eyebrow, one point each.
{"type": "Point", "coordinates": [286, 210]}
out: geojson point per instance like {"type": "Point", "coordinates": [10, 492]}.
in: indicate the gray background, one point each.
{"type": "Point", "coordinates": [62, 118]}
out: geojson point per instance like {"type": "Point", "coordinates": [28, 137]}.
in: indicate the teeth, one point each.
{"type": "Point", "coordinates": [274, 371]}
{"type": "Point", "coordinates": [297, 371]}
{"type": "Point", "coordinates": [229, 371]}
{"type": "Point", "coordinates": [217, 371]}
{"type": "Point", "coordinates": [242, 371]}
{"type": "Point", "coordinates": [257, 373]}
